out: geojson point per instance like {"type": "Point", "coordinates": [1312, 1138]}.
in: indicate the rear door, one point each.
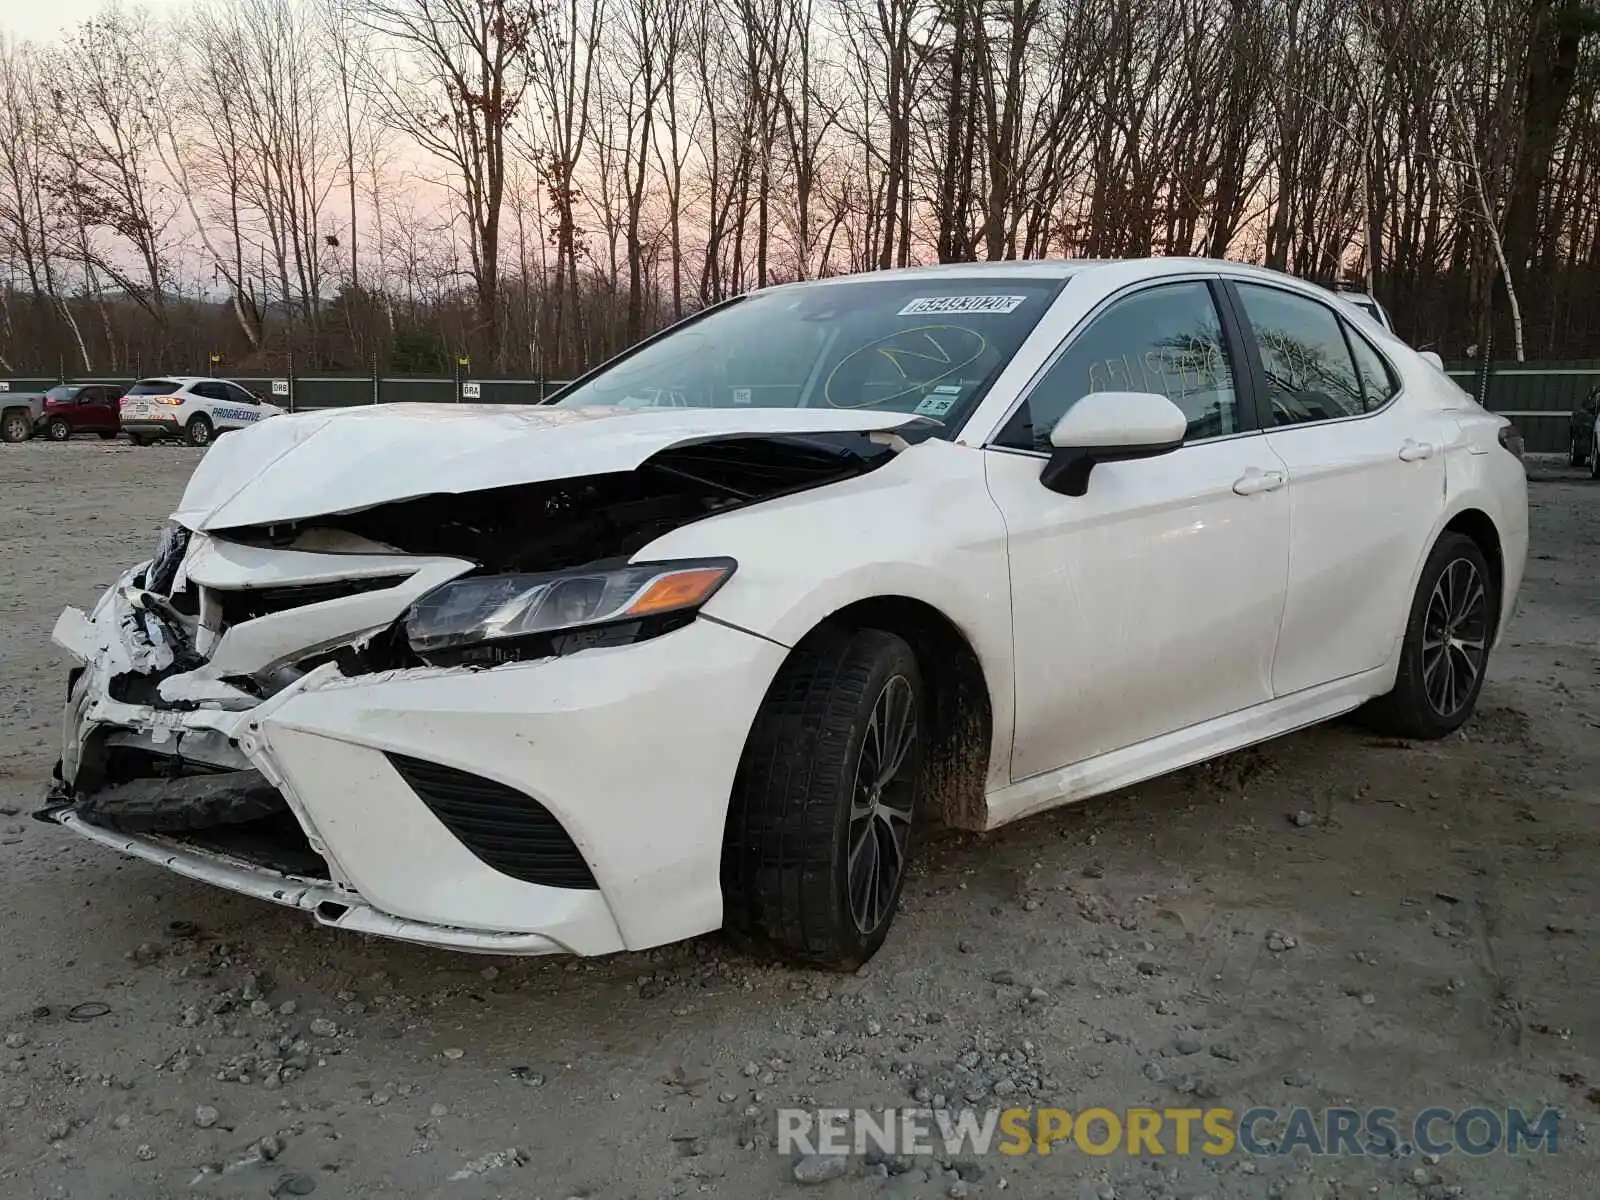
{"type": "Point", "coordinates": [1366, 483]}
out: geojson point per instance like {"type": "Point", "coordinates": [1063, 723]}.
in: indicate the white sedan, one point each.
{"type": "Point", "coordinates": [707, 642]}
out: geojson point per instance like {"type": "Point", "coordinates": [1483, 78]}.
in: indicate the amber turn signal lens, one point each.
{"type": "Point", "coordinates": [681, 589]}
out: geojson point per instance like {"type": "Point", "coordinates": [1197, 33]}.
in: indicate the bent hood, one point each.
{"type": "Point", "coordinates": [316, 464]}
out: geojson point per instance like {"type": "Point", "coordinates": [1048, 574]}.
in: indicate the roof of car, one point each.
{"type": "Point", "coordinates": [1055, 268]}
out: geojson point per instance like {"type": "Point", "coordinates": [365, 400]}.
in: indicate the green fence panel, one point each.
{"type": "Point", "coordinates": [416, 389]}
{"type": "Point", "coordinates": [515, 391]}
{"type": "Point", "coordinates": [36, 383]}
{"type": "Point", "coordinates": [332, 391]}
{"type": "Point", "coordinates": [1537, 396]}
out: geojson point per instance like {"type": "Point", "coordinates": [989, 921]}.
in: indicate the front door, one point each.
{"type": "Point", "coordinates": [1152, 602]}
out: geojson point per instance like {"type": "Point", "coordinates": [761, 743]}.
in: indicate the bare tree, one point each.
{"type": "Point", "coordinates": [453, 80]}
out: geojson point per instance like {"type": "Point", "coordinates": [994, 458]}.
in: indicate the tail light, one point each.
{"type": "Point", "coordinates": [175, 401]}
{"type": "Point", "coordinates": [1511, 439]}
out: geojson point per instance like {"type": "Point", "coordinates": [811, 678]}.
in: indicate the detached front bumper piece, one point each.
{"type": "Point", "coordinates": [571, 804]}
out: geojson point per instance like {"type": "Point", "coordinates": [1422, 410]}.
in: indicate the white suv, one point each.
{"type": "Point", "coordinates": [190, 407]}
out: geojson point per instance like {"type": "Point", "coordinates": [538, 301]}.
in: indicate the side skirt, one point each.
{"type": "Point", "coordinates": [1174, 751]}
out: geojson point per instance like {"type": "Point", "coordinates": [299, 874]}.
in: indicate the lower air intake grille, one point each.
{"type": "Point", "coordinates": [510, 831]}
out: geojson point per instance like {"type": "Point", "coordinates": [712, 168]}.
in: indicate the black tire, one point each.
{"type": "Point", "coordinates": [1575, 457]}
{"type": "Point", "coordinates": [786, 856]}
{"type": "Point", "coordinates": [1427, 702]}
{"type": "Point", "coordinates": [15, 426]}
{"type": "Point", "coordinates": [59, 430]}
{"type": "Point", "coordinates": [199, 431]}
{"type": "Point", "coordinates": [137, 439]}
{"type": "Point", "coordinates": [1594, 461]}
{"type": "Point", "coordinates": [187, 803]}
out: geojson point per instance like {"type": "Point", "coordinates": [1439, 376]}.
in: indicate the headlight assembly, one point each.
{"type": "Point", "coordinates": [496, 618]}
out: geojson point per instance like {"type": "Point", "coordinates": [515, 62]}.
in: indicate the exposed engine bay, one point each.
{"type": "Point", "coordinates": [568, 522]}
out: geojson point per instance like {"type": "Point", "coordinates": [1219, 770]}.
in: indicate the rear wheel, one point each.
{"type": "Point", "coordinates": [15, 427]}
{"type": "Point", "coordinates": [198, 431]}
{"type": "Point", "coordinates": [1446, 646]}
{"type": "Point", "coordinates": [824, 805]}
{"type": "Point", "coordinates": [1575, 456]}
{"type": "Point", "coordinates": [138, 439]}
{"type": "Point", "coordinates": [1594, 458]}
{"type": "Point", "coordinates": [59, 430]}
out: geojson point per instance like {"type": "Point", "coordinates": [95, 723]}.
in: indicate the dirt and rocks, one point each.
{"type": "Point", "coordinates": [1332, 919]}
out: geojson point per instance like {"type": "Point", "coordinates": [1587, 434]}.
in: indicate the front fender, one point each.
{"type": "Point", "coordinates": [923, 527]}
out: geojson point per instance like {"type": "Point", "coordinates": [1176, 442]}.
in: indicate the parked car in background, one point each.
{"type": "Point", "coordinates": [712, 638]}
{"type": "Point", "coordinates": [192, 408]}
{"type": "Point", "coordinates": [1368, 305]}
{"type": "Point", "coordinates": [1582, 431]}
{"type": "Point", "coordinates": [80, 408]}
{"type": "Point", "coordinates": [19, 413]}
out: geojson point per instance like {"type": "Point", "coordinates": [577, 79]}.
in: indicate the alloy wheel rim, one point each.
{"type": "Point", "coordinates": [881, 804]}
{"type": "Point", "coordinates": [1454, 637]}
{"type": "Point", "coordinates": [202, 435]}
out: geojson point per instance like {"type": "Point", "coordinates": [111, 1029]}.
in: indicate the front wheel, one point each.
{"type": "Point", "coordinates": [824, 803]}
{"type": "Point", "coordinates": [198, 431]}
{"type": "Point", "coordinates": [59, 430]}
{"type": "Point", "coordinates": [1446, 647]}
{"type": "Point", "coordinates": [1575, 457]}
{"type": "Point", "coordinates": [14, 427]}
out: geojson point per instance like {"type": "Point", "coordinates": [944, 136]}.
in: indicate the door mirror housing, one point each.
{"type": "Point", "coordinates": [1110, 427]}
{"type": "Point", "coordinates": [1432, 359]}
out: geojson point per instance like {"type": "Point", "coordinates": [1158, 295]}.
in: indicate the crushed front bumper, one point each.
{"type": "Point", "coordinates": [619, 747]}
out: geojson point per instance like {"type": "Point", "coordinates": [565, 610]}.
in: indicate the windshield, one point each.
{"type": "Point", "coordinates": [153, 387]}
{"type": "Point", "coordinates": [59, 394]}
{"type": "Point", "coordinates": [930, 346]}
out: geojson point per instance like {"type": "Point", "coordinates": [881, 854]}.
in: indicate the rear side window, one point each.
{"type": "Point", "coordinates": [62, 395]}
{"type": "Point", "coordinates": [154, 387]}
{"type": "Point", "coordinates": [1309, 370]}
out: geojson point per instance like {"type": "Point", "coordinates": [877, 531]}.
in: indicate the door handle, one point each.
{"type": "Point", "coordinates": [1255, 481]}
{"type": "Point", "coordinates": [1411, 451]}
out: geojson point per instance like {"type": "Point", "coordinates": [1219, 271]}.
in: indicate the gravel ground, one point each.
{"type": "Point", "coordinates": [1329, 919]}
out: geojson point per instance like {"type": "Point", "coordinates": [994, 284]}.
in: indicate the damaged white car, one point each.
{"type": "Point", "coordinates": [708, 641]}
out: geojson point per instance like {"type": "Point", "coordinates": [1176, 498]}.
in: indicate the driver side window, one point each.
{"type": "Point", "coordinates": [1166, 339]}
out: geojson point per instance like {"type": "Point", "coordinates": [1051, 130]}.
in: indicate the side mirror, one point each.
{"type": "Point", "coordinates": [1110, 427]}
{"type": "Point", "coordinates": [1432, 359]}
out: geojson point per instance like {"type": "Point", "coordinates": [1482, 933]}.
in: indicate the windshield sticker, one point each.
{"type": "Point", "coordinates": [741, 395]}
{"type": "Point", "coordinates": [956, 306]}
{"type": "Point", "coordinates": [936, 405]}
